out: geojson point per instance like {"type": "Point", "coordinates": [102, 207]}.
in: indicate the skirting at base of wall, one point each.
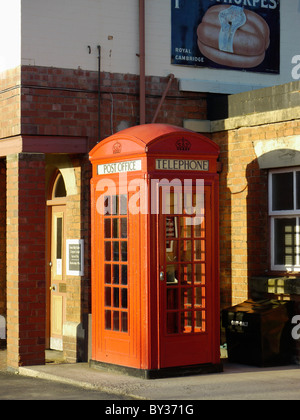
{"type": "Point", "coordinates": [75, 341]}
{"type": "Point", "coordinates": [56, 344]}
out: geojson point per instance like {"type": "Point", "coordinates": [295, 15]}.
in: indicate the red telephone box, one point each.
{"type": "Point", "coordinates": [155, 266]}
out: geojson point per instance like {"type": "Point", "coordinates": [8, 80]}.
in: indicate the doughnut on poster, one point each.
{"type": "Point", "coordinates": [227, 34]}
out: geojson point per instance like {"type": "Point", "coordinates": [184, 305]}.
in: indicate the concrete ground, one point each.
{"type": "Point", "coordinates": [236, 382]}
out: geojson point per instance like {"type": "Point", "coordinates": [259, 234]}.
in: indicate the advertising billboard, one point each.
{"type": "Point", "coordinates": [227, 34]}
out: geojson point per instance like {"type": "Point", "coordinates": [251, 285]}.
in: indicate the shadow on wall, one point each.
{"type": "Point", "coordinates": [225, 203]}
{"type": "Point", "coordinates": [257, 220]}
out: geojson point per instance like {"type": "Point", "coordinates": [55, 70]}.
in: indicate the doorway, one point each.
{"type": "Point", "coordinates": [56, 296]}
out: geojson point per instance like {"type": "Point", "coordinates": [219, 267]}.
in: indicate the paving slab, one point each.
{"type": "Point", "coordinates": [236, 382]}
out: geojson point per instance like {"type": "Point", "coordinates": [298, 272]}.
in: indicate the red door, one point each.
{"type": "Point", "coordinates": [116, 284]}
{"type": "Point", "coordinates": [185, 277]}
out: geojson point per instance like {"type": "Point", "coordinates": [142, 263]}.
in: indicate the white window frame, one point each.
{"type": "Point", "coordinates": [284, 214]}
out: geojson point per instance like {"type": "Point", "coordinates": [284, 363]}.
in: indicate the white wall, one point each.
{"type": "Point", "coordinates": [10, 30]}
{"type": "Point", "coordinates": [57, 32]}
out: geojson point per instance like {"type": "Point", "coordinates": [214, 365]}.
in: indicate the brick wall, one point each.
{"type": "Point", "coordinates": [65, 102]}
{"type": "Point", "coordinates": [2, 238]}
{"type": "Point", "coordinates": [244, 226]}
{"type": "Point", "coordinates": [25, 260]}
{"type": "Point", "coordinates": [75, 284]}
{"type": "Point", "coordinates": [12, 262]}
{"type": "Point", "coordinates": [10, 92]}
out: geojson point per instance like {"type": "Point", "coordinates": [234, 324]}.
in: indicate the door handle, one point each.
{"type": "Point", "coordinates": [162, 276]}
{"type": "Point", "coordinates": [53, 288]}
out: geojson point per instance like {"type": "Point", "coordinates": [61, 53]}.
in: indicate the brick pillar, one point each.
{"type": "Point", "coordinates": [2, 238]}
{"type": "Point", "coordinates": [2, 251]}
{"type": "Point", "coordinates": [26, 275]}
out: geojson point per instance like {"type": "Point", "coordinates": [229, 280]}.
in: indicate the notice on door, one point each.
{"type": "Point", "coordinates": [75, 256]}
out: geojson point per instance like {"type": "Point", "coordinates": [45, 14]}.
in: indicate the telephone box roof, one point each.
{"type": "Point", "coordinates": [153, 139]}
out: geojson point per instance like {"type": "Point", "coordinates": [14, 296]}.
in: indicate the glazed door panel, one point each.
{"type": "Point", "coordinates": [116, 313]}
{"type": "Point", "coordinates": [185, 278]}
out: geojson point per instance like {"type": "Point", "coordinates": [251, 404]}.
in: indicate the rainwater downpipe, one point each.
{"type": "Point", "coordinates": [142, 62]}
{"type": "Point", "coordinates": [99, 93]}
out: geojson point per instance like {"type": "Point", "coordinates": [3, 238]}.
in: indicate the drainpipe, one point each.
{"type": "Point", "coordinates": [99, 93]}
{"type": "Point", "coordinates": [142, 62]}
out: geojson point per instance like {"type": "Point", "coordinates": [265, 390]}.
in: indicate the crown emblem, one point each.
{"type": "Point", "coordinates": [183, 145]}
{"type": "Point", "coordinates": [117, 148]}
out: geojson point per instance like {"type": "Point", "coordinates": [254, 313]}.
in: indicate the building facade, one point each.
{"type": "Point", "coordinates": [259, 140]}
{"type": "Point", "coordinates": [75, 72]}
